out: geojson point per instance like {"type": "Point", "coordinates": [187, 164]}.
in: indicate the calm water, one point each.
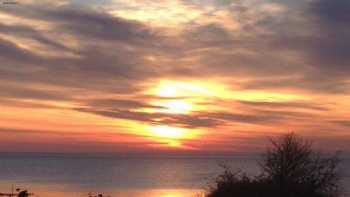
{"type": "Point", "coordinates": [74, 176]}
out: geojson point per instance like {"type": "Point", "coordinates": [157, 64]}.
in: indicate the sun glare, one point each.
{"type": "Point", "coordinates": [182, 89]}
{"type": "Point", "coordinates": [176, 107]}
{"type": "Point", "coordinates": [167, 132]}
{"type": "Point", "coordinates": [209, 89]}
{"type": "Point", "coordinates": [178, 97]}
{"type": "Point", "coordinates": [168, 91]}
{"type": "Point", "coordinates": [171, 136]}
{"type": "Point", "coordinates": [183, 97]}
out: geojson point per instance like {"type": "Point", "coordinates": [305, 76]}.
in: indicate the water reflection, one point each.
{"type": "Point", "coordinates": [60, 190]}
{"type": "Point", "coordinates": [162, 193]}
{"type": "Point", "coordinates": [76, 176]}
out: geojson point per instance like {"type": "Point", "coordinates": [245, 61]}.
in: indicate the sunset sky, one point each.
{"type": "Point", "coordinates": [189, 76]}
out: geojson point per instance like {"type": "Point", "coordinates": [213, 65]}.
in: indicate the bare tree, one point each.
{"type": "Point", "coordinates": [289, 168]}
{"type": "Point", "coordinates": [295, 168]}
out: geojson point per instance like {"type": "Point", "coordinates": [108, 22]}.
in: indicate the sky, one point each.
{"type": "Point", "coordinates": [195, 76]}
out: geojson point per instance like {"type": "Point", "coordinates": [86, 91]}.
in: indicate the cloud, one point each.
{"type": "Point", "coordinates": [281, 105]}
{"type": "Point", "coordinates": [332, 12]}
{"type": "Point", "coordinates": [334, 43]}
{"type": "Point", "coordinates": [100, 61]}
{"type": "Point", "coordinates": [28, 32]}
{"type": "Point", "coordinates": [344, 123]}
{"type": "Point", "coordinates": [83, 136]}
{"type": "Point", "coordinates": [120, 103]}
{"type": "Point", "coordinates": [113, 50]}
{"type": "Point", "coordinates": [304, 48]}
{"type": "Point", "coordinates": [16, 92]}
{"type": "Point", "coordinates": [130, 110]}
{"type": "Point", "coordinates": [109, 54]}
{"type": "Point", "coordinates": [100, 26]}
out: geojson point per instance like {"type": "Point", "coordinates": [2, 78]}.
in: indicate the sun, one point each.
{"type": "Point", "coordinates": [176, 107]}
{"type": "Point", "coordinates": [178, 97]}
{"type": "Point", "coordinates": [167, 132]}
{"type": "Point", "coordinates": [168, 91]}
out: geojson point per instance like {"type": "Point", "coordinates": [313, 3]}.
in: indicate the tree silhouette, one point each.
{"type": "Point", "coordinates": [289, 168]}
{"type": "Point", "coordinates": [295, 168]}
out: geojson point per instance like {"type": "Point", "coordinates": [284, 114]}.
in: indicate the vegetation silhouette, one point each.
{"type": "Point", "coordinates": [96, 195]}
{"type": "Point", "coordinates": [289, 168]}
{"type": "Point", "coordinates": [19, 193]}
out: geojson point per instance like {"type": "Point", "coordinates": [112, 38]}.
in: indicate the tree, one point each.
{"type": "Point", "coordinates": [289, 168]}
{"type": "Point", "coordinates": [294, 168]}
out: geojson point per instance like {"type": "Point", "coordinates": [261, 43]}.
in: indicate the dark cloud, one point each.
{"type": "Point", "coordinates": [129, 110]}
{"type": "Point", "coordinates": [306, 49]}
{"type": "Point", "coordinates": [9, 51]}
{"type": "Point", "coordinates": [16, 92]}
{"type": "Point", "coordinates": [120, 103]}
{"type": "Point", "coordinates": [323, 45]}
{"type": "Point", "coordinates": [28, 104]}
{"type": "Point", "coordinates": [317, 83]}
{"type": "Point", "coordinates": [312, 48]}
{"type": "Point", "coordinates": [282, 105]}
{"type": "Point", "coordinates": [63, 134]}
{"type": "Point", "coordinates": [97, 25]}
{"type": "Point", "coordinates": [345, 123]}
{"type": "Point", "coordinates": [333, 47]}
{"type": "Point", "coordinates": [109, 56]}
{"type": "Point", "coordinates": [183, 120]}
{"type": "Point", "coordinates": [25, 32]}
{"type": "Point", "coordinates": [334, 12]}
{"type": "Point", "coordinates": [193, 120]}
{"type": "Point", "coordinates": [212, 34]}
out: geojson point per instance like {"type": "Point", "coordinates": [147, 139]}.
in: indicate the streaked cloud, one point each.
{"type": "Point", "coordinates": [219, 70]}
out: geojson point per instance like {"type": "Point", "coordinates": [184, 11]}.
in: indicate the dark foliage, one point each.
{"type": "Point", "coordinates": [290, 168]}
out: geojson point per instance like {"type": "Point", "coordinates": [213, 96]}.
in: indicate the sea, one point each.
{"type": "Point", "coordinates": [80, 175]}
